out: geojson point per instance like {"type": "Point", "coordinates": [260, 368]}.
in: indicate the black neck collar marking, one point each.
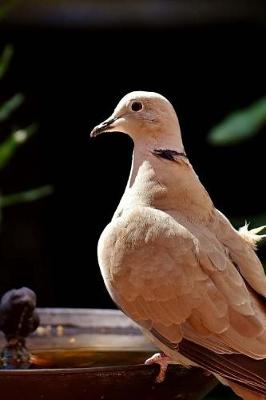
{"type": "Point", "coordinates": [168, 154]}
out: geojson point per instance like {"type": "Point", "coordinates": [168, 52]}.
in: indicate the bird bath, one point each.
{"type": "Point", "coordinates": [95, 354]}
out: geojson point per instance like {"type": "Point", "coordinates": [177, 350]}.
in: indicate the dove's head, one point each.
{"type": "Point", "coordinates": [144, 116]}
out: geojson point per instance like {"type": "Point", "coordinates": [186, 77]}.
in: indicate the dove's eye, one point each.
{"type": "Point", "coordinates": [136, 106]}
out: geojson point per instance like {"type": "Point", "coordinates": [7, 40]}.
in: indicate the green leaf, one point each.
{"type": "Point", "coordinates": [5, 59]}
{"type": "Point", "coordinates": [11, 144]}
{"type": "Point", "coordinates": [10, 105]}
{"type": "Point", "coordinates": [240, 125]}
{"type": "Point", "coordinates": [25, 197]}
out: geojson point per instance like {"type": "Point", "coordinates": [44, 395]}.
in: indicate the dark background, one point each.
{"type": "Point", "coordinates": [73, 71]}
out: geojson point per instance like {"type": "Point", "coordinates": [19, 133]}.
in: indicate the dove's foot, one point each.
{"type": "Point", "coordinates": [163, 360]}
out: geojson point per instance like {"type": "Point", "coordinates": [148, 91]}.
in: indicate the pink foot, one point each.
{"type": "Point", "coordinates": [163, 360]}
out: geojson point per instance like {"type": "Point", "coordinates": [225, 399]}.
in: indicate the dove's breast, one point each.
{"type": "Point", "coordinates": [113, 247]}
{"type": "Point", "coordinates": [134, 250]}
{"type": "Point", "coordinates": [118, 241]}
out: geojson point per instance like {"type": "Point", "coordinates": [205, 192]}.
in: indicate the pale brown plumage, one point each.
{"type": "Point", "coordinates": [175, 264]}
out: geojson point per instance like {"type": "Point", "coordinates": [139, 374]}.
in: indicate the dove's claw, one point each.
{"type": "Point", "coordinates": [163, 360]}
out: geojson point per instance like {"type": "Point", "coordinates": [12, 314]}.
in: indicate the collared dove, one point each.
{"type": "Point", "coordinates": [174, 263]}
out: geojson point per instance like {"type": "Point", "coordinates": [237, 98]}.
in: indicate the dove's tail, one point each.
{"type": "Point", "coordinates": [245, 375]}
{"type": "Point", "coordinates": [245, 393]}
{"type": "Point", "coordinates": [251, 236]}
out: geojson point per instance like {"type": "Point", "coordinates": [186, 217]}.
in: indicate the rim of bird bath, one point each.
{"type": "Point", "coordinates": [104, 332]}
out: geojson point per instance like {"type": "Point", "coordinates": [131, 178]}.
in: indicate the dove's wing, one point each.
{"type": "Point", "coordinates": [182, 288]}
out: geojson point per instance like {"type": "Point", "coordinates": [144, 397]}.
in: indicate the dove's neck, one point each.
{"type": "Point", "coordinates": [172, 186]}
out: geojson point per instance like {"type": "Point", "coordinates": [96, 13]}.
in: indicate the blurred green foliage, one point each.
{"type": "Point", "coordinates": [10, 105]}
{"type": "Point", "coordinates": [5, 59]}
{"type": "Point", "coordinates": [240, 125]}
{"type": "Point", "coordinates": [24, 197]}
{"type": "Point", "coordinates": [15, 139]}
{"type": "Point", "coordinates": [6, 6]}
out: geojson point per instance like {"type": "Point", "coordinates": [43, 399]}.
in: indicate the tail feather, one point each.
{"type": "Point", "coordinates": [245, 393]}
{"type": "Point", "coordinates": [251, 236]}
{"type": "Point", "coordinates": [243, 371]}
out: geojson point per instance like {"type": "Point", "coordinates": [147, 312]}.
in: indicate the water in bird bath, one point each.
{"type": "Point", "coordinates": [85, 358]}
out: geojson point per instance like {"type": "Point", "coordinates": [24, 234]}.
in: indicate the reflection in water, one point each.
{"type": "Point", "coordinates": [84, 357]}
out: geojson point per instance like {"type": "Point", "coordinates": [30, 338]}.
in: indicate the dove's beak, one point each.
{"type": "Point", "coordinates": [105, 126]}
